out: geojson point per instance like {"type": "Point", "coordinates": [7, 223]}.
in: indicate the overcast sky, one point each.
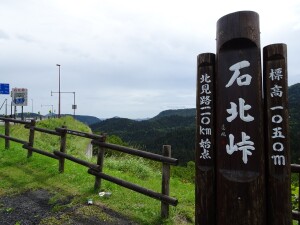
{"type": "Point", "coordinates": [127, 58]}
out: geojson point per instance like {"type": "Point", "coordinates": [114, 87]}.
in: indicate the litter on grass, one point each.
{"type": "Point", "coordinates": [104, 194]}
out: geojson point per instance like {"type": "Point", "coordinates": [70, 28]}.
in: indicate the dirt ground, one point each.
{"type": "Point", "coordinates": [33, 207]}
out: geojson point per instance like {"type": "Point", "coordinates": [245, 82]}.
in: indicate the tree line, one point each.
{"type": "Point", "coordinates": [177, 128]}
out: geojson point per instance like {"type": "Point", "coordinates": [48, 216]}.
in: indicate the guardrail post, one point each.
{"type": "Point", "coordinates": [7, 143]}
{"type": "Point", "coordinates": [100, 159]}
{"type": "Point", "coordinates": [165, 187]}
{"type": "Point", "coordinates": [31, 137]}
{"type": "Point", "coordinates": [63, 141]}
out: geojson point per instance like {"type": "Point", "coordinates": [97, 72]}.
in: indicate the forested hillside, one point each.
{"type": "Point", "coordinates": [151, 135]}
{"type": "Point", "coordinates": [294, 111]}
{"type": "Point", "coordinates": [87, 119]}
{"type": "Point", "coordinates": [176, 112]}
{"type": "Point", "coordinates": [177, 128]}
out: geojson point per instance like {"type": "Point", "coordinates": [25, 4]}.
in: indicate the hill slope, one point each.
{"type": "Point", "coordinates": [87, 119]}
{"type": "Point", "coordinates": [176, 112]}
{"type": "Point", "coordinates": [294, 111]}
{"type": "Point", "coordinates": [151, 135]}
{"type": "Point", "coordinates": [177, 128]}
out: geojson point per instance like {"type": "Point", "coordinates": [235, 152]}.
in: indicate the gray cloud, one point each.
{"type": "Point", "coordinates": [130, 59]}
{"type": "Point", "coordinates": [3, 35]}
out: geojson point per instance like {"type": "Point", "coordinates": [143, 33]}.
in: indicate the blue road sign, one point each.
{"type": "Point", "coordinates": [19, 100]}
{"type": "Point", "coordinates": [4, 89]}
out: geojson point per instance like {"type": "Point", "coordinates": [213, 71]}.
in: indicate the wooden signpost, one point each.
{"type": "Point", "coordinates": [239, 122]}
{"type": "Point", "coordinates": [242, 163]}
{"type": "Point", "coordinates": [277, 136]}
{"type": "Point", "coordinates": [205, 155]}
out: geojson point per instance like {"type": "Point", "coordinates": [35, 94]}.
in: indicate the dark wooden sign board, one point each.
{"type": "Point", "coordinates": [277, 136]}
{"type": "Point", "coordinates": [242, 163]}
{"type": "Point", "coordinates": [205, 155]}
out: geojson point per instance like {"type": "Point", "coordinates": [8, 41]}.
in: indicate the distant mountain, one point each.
{"type": "Point", "coordinates": [177, 112]}
{"type": "Point", "coordinates": [294, 111]}
{"type": "Point", "coordinates": [294, 94]}
{"type": "Point", "coordinates": [28, 115]}
{"type": "Point", "coordinates": [151, 135]}
{"type": "Point", "coordinates": [121, 125]}
{"type": "Point", "coordinates": [88, 120]}
{"type": "Point", "coordinates": [177, 128]}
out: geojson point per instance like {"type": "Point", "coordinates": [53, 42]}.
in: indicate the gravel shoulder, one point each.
{"type": "Point", "coordinates": [38, 207]}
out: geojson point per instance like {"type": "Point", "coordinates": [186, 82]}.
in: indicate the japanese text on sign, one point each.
{"type": "Point", "coordinates": [246, 146]}
{"type": "Point", "coordinates": [276, 118]}
{"type": "Point", "coordinates": [206, 114]}
{"type": "Point", "coordinates": [19, 96]}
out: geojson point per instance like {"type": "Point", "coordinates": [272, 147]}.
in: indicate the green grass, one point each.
{"type": "Point", "coordinates": [75, 146]}
{"type": "Point", "coordinates": [19, 173]}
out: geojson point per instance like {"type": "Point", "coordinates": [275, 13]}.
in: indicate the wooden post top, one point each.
{"type": "Point", "coordinates": [237, 25]}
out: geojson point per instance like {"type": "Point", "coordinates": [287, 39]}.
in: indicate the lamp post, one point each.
{"type": "Point", "coordinates": [74, 106]}
{"type": "Point", "coordinates": [58, 90]}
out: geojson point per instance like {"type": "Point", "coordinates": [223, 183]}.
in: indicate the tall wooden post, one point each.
{"type": "Point", "coordinates": [205, 153]}
{"type": "Point", "coordinates": [277, 139]}
{"type": "Point", "coordinates": [240, 156]}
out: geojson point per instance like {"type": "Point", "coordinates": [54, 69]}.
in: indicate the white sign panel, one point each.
{"type": "Point", "coordinates": [19, 96]}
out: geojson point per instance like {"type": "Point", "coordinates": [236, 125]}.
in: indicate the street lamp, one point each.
{"type": "Point", "coordinates": [74, 106]}
{"type": "Point", "coordinates": [58, 90]}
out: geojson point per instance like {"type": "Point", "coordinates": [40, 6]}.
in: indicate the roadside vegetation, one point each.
{"type": "Point", "coordinates": [19, 174]}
